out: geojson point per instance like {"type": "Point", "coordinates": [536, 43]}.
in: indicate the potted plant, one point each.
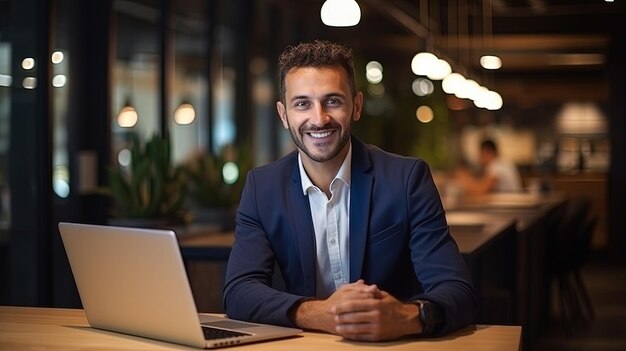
{"type": "Point", "coordinates": [151, 190]}
{"type": "Point", "coordinates": [214, 184]}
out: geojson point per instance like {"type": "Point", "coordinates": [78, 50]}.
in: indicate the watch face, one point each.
{"type": "Point", "coordinates": [424, 311]}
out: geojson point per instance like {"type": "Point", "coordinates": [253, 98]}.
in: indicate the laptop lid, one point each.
{"type": "Point", "coordinates": [133, 281]}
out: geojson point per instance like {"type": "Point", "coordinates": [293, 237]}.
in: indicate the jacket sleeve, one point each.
{"type": "Point", "coordinates": [437, 262]}
{"type": "Point", "coordinates": [248, 291]}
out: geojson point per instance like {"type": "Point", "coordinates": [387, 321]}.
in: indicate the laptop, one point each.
{"type": "Point", "coordinates": [133, 281]}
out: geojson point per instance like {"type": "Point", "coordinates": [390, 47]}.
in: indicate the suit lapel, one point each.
{"type": "Point", "coordinates": [360, 200]}
{"type": "Point", "coordinates": [301, 224]}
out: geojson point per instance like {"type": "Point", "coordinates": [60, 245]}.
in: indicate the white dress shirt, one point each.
{"type": "Point", "coordinates": [506, 174]}
{"type": "Point", "coordinates": [331, 222]}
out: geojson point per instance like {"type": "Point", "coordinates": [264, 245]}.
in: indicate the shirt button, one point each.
{"type": "Point", "coordinates": [333, 241]}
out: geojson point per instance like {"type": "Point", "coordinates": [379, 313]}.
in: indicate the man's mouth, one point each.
{"type": "Point", "coordinates": [320, 135]}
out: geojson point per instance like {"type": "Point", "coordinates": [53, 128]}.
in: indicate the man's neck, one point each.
{"type": "Point", "coordinates": [322, 173]}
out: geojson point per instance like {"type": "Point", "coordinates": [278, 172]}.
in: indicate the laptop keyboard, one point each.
{"type": "Point", "coordinates": [214, 333]}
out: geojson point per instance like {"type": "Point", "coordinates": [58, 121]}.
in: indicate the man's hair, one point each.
{"type": "Point", "coordinates": [318, 54]}
{"type": "Point", "coordinates": [489, 145]}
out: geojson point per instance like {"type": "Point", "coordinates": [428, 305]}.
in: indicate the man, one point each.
{"type": "Point", "coordinates": [358, 235]}
{"type": "Point", "coordinates": [499, 175]}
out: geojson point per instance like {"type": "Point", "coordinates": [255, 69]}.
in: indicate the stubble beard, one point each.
{"type": "Point", "coordinates": [344, 137]}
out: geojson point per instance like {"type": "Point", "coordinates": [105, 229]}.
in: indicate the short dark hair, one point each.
{"type": "Point", "coordinates": [319, 53]}
{"type": "Point", "coordinates": [489, 145]}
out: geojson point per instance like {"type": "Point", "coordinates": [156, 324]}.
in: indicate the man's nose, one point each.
{"type": "Point", "coordinates": [321, 116]}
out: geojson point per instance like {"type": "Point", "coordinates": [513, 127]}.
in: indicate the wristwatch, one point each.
{"type": "Point", "coordinates": [430, 315]}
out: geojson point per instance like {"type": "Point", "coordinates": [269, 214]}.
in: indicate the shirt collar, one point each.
{"type": "Point", "coordinates": [343, 174]}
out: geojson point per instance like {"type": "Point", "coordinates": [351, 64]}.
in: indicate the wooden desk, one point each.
{"type": "Point", "coordinates": [534, 216]}
{"type": "Point", "coordinates": [488, 247]}
{"type": "Point", "coordinates": [27, 328]}
{"type": "Point", "coordinates": [474, 235]}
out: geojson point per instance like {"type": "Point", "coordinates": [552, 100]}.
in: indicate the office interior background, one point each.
{"type": "Point", "coordinates": [69, 68]}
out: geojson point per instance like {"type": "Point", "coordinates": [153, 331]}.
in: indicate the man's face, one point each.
{"type": "Point", "coordinates": [318, 111]}
{"type": "Point", "coordinates": [486, 156]}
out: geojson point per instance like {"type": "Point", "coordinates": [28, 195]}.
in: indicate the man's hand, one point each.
{"type": "Point", "coordinates": [360, 312]}
{"type": "Point", "coordinates": [319, 315]}
{"type": "Point", "coordinates": [376, 319]}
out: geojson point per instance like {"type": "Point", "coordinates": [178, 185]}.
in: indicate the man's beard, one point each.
{"type": "Point", "coordinates": [344, 138]}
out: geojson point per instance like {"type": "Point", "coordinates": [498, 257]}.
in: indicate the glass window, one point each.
{"type": "Point", "coordinates": [188, 99]}
{"type": "Point", "coordinates": [135, 72]}
{"type": "Point", "coordinates": [6, 80]}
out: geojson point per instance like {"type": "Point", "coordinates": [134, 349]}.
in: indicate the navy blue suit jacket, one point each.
{"type": "Point", "coordinates": [399, 240]}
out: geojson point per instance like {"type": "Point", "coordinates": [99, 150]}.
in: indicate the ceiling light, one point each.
{"type": "Point", "coordinates": [440, 70]}
{"type": "Point", "coordinates": [580, 118]}
{"type": "Point", "coordinates": [423, 63]}
{"type": "Point", "coordinates": [184, 114]}
{"type": "Point", "coordinates": [490, 62]}
{"type": "Point", "coordinates": [127, 117]}
{"type": "Point", "coordinates": [29, 83]}
{"type": "Point", "coordinates": [59, 81]}
{"type": "Point", "coordinates": [28, 63]}
{"type": "Point", "coordinates": [494, 100]}
{"type": "Point", "coordinates": [467, 90]}
{"type": "Point", "coordinates": [481, 98]}
{"type": "Point", "coordinates": [422, 87]}
{"type": "Point", "coordinates": [374, 72]}
{"type": "Point", "coordinates": [56, 57]}
{"type": "Point", "coordinates": [340, 13]}
{"type": "Point", "coordinates": [424, 114]}
{"type": "Point", "coordinates": [452, 83]}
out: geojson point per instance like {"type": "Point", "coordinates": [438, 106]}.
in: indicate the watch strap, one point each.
{"type": "Point", "coordinates": [430, 316]}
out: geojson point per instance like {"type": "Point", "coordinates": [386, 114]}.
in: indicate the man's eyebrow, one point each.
{"type": "Point", "coordinates": [325, 96]}
{"type": "Point", "coordinates": [299, 97]}
{"type": "Point", "coordinates": [336, 94]}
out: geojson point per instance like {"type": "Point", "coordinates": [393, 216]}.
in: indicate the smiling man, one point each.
{"type": "Point", "coordinates": [340, 236]}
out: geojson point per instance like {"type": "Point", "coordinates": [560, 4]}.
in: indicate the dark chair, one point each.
{"type": "Point", "coordinates": [568, 250]}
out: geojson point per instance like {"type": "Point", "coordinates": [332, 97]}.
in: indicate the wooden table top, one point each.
{"type": "Point", "coordinates": [31, 328]}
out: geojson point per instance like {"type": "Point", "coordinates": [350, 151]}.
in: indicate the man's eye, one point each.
{"type": "Point", "coordinates": [333, 101]}
{"type": "Point", "coordinates": [301, 104]}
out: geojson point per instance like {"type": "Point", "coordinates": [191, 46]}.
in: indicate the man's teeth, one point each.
{"type": "Point", "coordinates": [320, 134]}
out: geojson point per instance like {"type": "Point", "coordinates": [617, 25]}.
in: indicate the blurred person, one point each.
{"type": "Point", "coordinates": [358, 235]}
{"type": "Point", "coordinates": [498, 174]}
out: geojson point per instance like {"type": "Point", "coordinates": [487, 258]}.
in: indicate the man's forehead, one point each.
{"type": "Point", "coordinates": [317, 75]}
{"type": "Point", "coordinates": [313, 69]}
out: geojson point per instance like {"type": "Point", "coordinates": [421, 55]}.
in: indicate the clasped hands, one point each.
{"type": "Point", "coordinates": [358, 311]}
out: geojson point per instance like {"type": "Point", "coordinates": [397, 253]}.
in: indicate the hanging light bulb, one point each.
{"type": "Point", "coordinates": [423, 63]}
{"type": "Point", "coordinates": [127, 117]}
{"type": "Point", "coordinates": [490, 62]}
{"type": "Point", "coordinates": [184, 114]}
{"type": "Point", "coordinates": [374, 72]}
{"type": "Point", "coordinates": [494, 101]}
{"type": "Point", "coordinates": [468, 89]}
{"type": "Point", "coordinates": [440, 70]}
{"type": "Point", "coordinates": [452, 83]}
{"type": "Point", "coordinates": [340, 13]}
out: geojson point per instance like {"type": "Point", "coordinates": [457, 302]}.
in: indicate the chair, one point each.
{"type": "Point", "coordinates": [568, 250]}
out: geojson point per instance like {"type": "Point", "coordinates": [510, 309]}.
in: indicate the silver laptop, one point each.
{"type": "Point", "coordinates": [133, 281]}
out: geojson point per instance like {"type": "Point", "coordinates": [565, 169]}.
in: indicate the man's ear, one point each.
{"type": "Point", "coordinates": [282, 113]}
{"type": "Point", "coordinates": [358, 106]}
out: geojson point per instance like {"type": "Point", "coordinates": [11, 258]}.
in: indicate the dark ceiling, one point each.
{"type": "Point", "coordinates": [552, 51]}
